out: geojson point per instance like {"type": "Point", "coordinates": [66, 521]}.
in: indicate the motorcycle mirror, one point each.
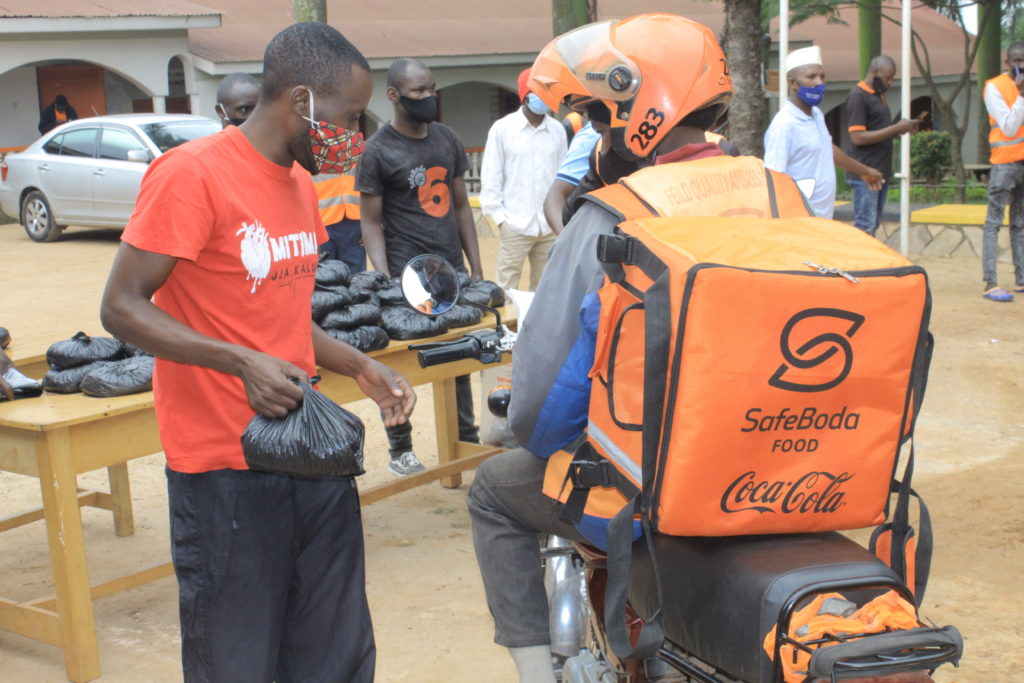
{"type": "Point", "coordinates": [430, 284]}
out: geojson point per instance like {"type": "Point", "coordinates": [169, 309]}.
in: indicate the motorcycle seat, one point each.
{"type": "Point", "coordinates": [721, 596]}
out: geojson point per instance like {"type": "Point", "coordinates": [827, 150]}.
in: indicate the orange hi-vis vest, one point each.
{"type": "Point", "coordinates": [1005, 150]}
{"type": "Point", "coordinates": [337, 196]}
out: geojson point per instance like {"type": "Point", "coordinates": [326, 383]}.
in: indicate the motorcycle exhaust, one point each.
{"type": "Point", "coordinates": [566, 583]}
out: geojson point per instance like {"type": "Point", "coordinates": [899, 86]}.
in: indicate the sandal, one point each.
{"type": "Point", "coordinates": [998, 294]}
{"type": "Point", "coordinates": [1019, 289]}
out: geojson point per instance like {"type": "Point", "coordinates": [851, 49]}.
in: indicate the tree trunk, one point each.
{"type": "Point", "coordinates": [309, 10]}
{"type": "Point", "coordinates": [869, 30]}
{"type": "Point", "coordinates": [990, 15]}
{"type": "Point", "coordinates": [569, 14]}
{"type": "Point", "coordinates": [744, 52]}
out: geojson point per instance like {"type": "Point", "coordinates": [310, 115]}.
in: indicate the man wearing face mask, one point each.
{"type": "Point", "coordinates": [214, 277]}
{"type": "Point", "coordinates": [521, 157]}
{"type": "Point", "coordinates": [413, 201]}
{"type": "Point", "coordinates": [798, 143]}
{"type": "Point", "coordinates": [237, 96]}
{"type": "Point", "coordinates": [871, 133]}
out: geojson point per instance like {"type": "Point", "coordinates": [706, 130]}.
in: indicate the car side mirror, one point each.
{"type": "Point", "coordinates": [141, 156]}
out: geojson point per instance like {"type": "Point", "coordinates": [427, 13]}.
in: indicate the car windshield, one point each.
{"type": "Point", "coordinates": [174, 133]}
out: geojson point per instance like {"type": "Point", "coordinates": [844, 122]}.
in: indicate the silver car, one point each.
{"type": "Point", "coordinates": [87, 172]}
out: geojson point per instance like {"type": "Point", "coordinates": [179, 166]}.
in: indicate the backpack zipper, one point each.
{"type": "Point", "coordinates": [832, 270]}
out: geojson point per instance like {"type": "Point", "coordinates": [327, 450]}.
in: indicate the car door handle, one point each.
{"type": "Point", "coordinates": [99, 171]}
{"type": "Point", "coordinates": [44, 167]}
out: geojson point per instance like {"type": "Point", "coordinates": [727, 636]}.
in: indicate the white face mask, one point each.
{"type": "Point", "coordinates": [536, 104]}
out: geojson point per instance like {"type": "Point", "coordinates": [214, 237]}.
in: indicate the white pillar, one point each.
{"type": "Point", "coordinates": [905, 138]}
{"type": "Point", "coordinates": [783, 49]}
{"type": "Point", "coordinates": [193, 101]}
{"type": "Point", "coordinates": [159, 104]}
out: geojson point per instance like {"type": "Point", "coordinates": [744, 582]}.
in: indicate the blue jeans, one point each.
{"type": "Point", "coordinates": [868, 205]}
{"type": "Point", "coordinates": [1005, 187]}
{"type": "Point", "coordinates": [345, 243]}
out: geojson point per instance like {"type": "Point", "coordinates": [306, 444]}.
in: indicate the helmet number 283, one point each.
{"type": "Point", "coordinates": [648, 128]}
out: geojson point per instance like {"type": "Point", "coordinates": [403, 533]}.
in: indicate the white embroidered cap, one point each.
{"type": "Point", "coordinates": [803, 57]}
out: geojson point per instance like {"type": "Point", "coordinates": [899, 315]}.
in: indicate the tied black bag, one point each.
{"type": "Point", "coordinates": [318, 439]}
{"type": "Point", "coordinates": [82, 349]}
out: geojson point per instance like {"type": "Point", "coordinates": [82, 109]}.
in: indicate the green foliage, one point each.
{"type": "Point", "coordinates": [930, 156]}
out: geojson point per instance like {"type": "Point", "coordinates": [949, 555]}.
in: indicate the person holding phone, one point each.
{"type": "Point", "coordinates": [871, 134]}
{"type": "Point", "coordinates": [1004, 100]}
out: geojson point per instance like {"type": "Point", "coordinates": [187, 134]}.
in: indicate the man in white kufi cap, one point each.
{"type": "Point", "coordinates": [798, 142]}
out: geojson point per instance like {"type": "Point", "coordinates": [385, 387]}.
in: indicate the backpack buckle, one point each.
{"type": "Point", "coordinates": [615, 249]}
{"type": "Point", "coordinates": [586, 474]}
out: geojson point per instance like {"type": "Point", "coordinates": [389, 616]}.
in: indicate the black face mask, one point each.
{"type": "Point", "coordinates": [878, 85]}
{"type": "Point", "coordinates": [227, 120]}
{"type": "Point", "coordinates": [423, 110]}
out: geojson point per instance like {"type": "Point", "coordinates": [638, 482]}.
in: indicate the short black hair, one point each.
{"type": "Point", "coordinates": [1015, 45]}
{"type": "Point", "coordinates": [882, 62]}
{"type": "Point", "coordinates": [60, 101]}
{"type": "Point", "coordinates": [396, 72]}
{"type": "Point", "coordinates": [309, 53]}
{"type": "Point", "coordinates": [231, 80]}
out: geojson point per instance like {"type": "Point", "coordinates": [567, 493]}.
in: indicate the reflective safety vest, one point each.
{"type": "Point", "coordinates": [1005, 150]}
{"type": "Point", "coordinates": [337, 196]}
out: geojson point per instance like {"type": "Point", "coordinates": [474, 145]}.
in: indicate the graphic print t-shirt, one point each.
{"type": "Point", "coordinates": [246, 232]}
{"type": "Point", "coordinates": [415, 179]}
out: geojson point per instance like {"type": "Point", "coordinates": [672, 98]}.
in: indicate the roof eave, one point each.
{"type": "Point", "coordinates": [22, 25]}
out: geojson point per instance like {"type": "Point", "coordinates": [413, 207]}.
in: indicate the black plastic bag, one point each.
{"type": "Point", "coordinates": [351, 317]}
{"type": "Point", "coordinates": [5, 338]}
{"type": "Point", "coordinates": [132, 350]}
{"type": "Point", "coordinates": [22, 386]}
{"type": "Point", "coordinates": [495, 295]}
{"type": "Point", "coordinates": [332, 272]}
{"type": "Point", "coordinates": [391, 295]}
{"type": "Point", "coordinates": [69, 381]}
{"type": "Point", "coordinates": [129, 376]}
{"type": "Point", "coordinates": [372, 280]}
{"type": "Point", "coordinates": [329, 298]}
{"type": "Point", "coordinates": [316, 440]}
{"type": "Point", "coordinates": [82, 349]}
{"type": "Point", "coordinates": [368, 338]}
{"type": "Point", "coordinates": [402, 322]}
{"type": "Point", "coordinates": [364, 296]}
{"type": "Point", "coordinates": [462, 316]}
{"type": "Point", "coordinates": [475, 296]}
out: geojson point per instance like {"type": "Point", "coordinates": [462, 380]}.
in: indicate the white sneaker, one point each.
{"type": "Point", "coordinates": [405, 464]}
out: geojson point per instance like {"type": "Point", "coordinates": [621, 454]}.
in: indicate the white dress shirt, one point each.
{"type": "Point", "coordinates": [800, 146]}
{"type": "Point", "coordinates": [518, 168]}
{"type": "Point", "coordinates": [1009, 119]}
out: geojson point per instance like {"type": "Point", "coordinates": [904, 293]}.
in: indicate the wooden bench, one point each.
{"type": "Point", "coordinates": [57, 437]}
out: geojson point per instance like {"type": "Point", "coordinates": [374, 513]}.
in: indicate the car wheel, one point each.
{"type": "Point", "coordinates": [37, 217]}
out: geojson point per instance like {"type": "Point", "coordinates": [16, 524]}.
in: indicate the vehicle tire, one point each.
{"type": "Point", "coordinates": [37, 218]}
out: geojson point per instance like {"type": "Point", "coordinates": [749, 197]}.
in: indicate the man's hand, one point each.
{"type": "Point", "coordinates": [268, 385]}
{"type": "Point", "coordinates": [874, 179]}
{"type": "Point", "coordinates": [908, 125]}
{"type": "Point", "coordinates": [389, 389]}
{"type": "Point", "coordinates": [5, 388]}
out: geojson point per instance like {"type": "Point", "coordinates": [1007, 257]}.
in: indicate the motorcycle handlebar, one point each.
{"type": "Point", "coordinates": [467, 347]}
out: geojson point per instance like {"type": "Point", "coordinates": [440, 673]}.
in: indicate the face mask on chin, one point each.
{"type": "Point", "coordinates": [334, 150]}
{"type": "Point", "coordinates": [878, 85]}
{"type": "Point", "coordinates": [423, 110]}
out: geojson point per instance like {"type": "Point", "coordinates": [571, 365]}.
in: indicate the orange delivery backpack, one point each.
{"type": "Point", "coordinates": [752, 376]}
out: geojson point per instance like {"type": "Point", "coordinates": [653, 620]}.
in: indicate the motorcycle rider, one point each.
{"type": "Point", "coordinates": [664, 82]}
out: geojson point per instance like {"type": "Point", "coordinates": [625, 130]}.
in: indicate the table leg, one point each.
{"type": "Point", "coordinates": [121, 499]}
{"type": "Point", "coordinates": [58, 483]}
{"type": "Point", "coordinates": [446, 417]}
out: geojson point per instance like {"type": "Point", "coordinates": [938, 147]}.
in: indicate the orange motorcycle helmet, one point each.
{"type": "Point", "coordinates": [651, 71]}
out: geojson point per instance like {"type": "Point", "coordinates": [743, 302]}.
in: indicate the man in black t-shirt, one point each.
{"type": "Point", "coordinates": [413, 199]}
{"type": "Point", "coordinates": [871, 132]}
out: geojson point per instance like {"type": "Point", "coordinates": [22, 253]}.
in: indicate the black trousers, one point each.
{"type": "Point", "coordinates": [400, 436]}
{"type": "Point", "coordinates": [271, 578]}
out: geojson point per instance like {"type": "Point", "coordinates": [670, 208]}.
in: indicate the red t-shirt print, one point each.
{"type": "Point", "coordinates": [245, 232]}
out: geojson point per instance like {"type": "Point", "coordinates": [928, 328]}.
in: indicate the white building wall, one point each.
{"type": "Point", "coordinates": [19, 107]}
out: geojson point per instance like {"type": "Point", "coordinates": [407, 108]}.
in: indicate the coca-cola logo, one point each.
{"type": "Point", "coordinates": [814, 492]}
{"type": "Point", "coordinates": [828, 344]}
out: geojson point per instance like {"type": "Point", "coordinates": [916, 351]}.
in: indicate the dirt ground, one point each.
{"type": "Point", "coordinates": [430, 618]}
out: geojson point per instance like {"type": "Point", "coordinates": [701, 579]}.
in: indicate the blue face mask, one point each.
{"type": "Point", "coordinates": [536, 104]}
{"type": "Point", "coordinates": [811, 96]}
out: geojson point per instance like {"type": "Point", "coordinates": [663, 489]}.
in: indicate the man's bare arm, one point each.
{"type": "Point", "coordinates": [862, 138]}
{"type": "Point", "coordinates": [554, 203]}
{"type": "Point", "coordinates": [128, 313]}
{"type": "Point", "coordinates": [371, 224]}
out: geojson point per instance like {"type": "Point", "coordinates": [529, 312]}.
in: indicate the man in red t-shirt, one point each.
{"type": "Point", "coordinates": [224, 238]}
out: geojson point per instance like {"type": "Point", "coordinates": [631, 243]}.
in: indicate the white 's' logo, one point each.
{"type": "Point", "coordinates": [255, 250]}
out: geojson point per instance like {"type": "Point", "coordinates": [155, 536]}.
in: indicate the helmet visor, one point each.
{"type": "Point", "coordinates": [595, 61]}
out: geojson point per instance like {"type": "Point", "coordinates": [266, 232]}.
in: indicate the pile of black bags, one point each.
{"type": "Point", "coordinates": [97, 366]}
{"type": "Point", "coordinates": [367, 309]}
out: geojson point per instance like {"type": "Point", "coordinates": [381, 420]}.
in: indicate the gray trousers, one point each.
{"type": "Point", "coordinates": [509, 510]}
{"type": "Point", "coordinates": [1005, 187]}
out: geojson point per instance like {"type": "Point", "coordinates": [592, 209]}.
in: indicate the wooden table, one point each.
{"type": "Point", "coordinates": [57, 437]}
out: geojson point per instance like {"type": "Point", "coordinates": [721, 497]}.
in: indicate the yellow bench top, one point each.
{"type": "Point", "coordinates": [953, 214]}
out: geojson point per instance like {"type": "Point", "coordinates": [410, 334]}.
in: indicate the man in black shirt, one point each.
{"type": "Point", "coordinates": [413, 199]}
{"type": "Point", "coordinates": [871, 132]}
